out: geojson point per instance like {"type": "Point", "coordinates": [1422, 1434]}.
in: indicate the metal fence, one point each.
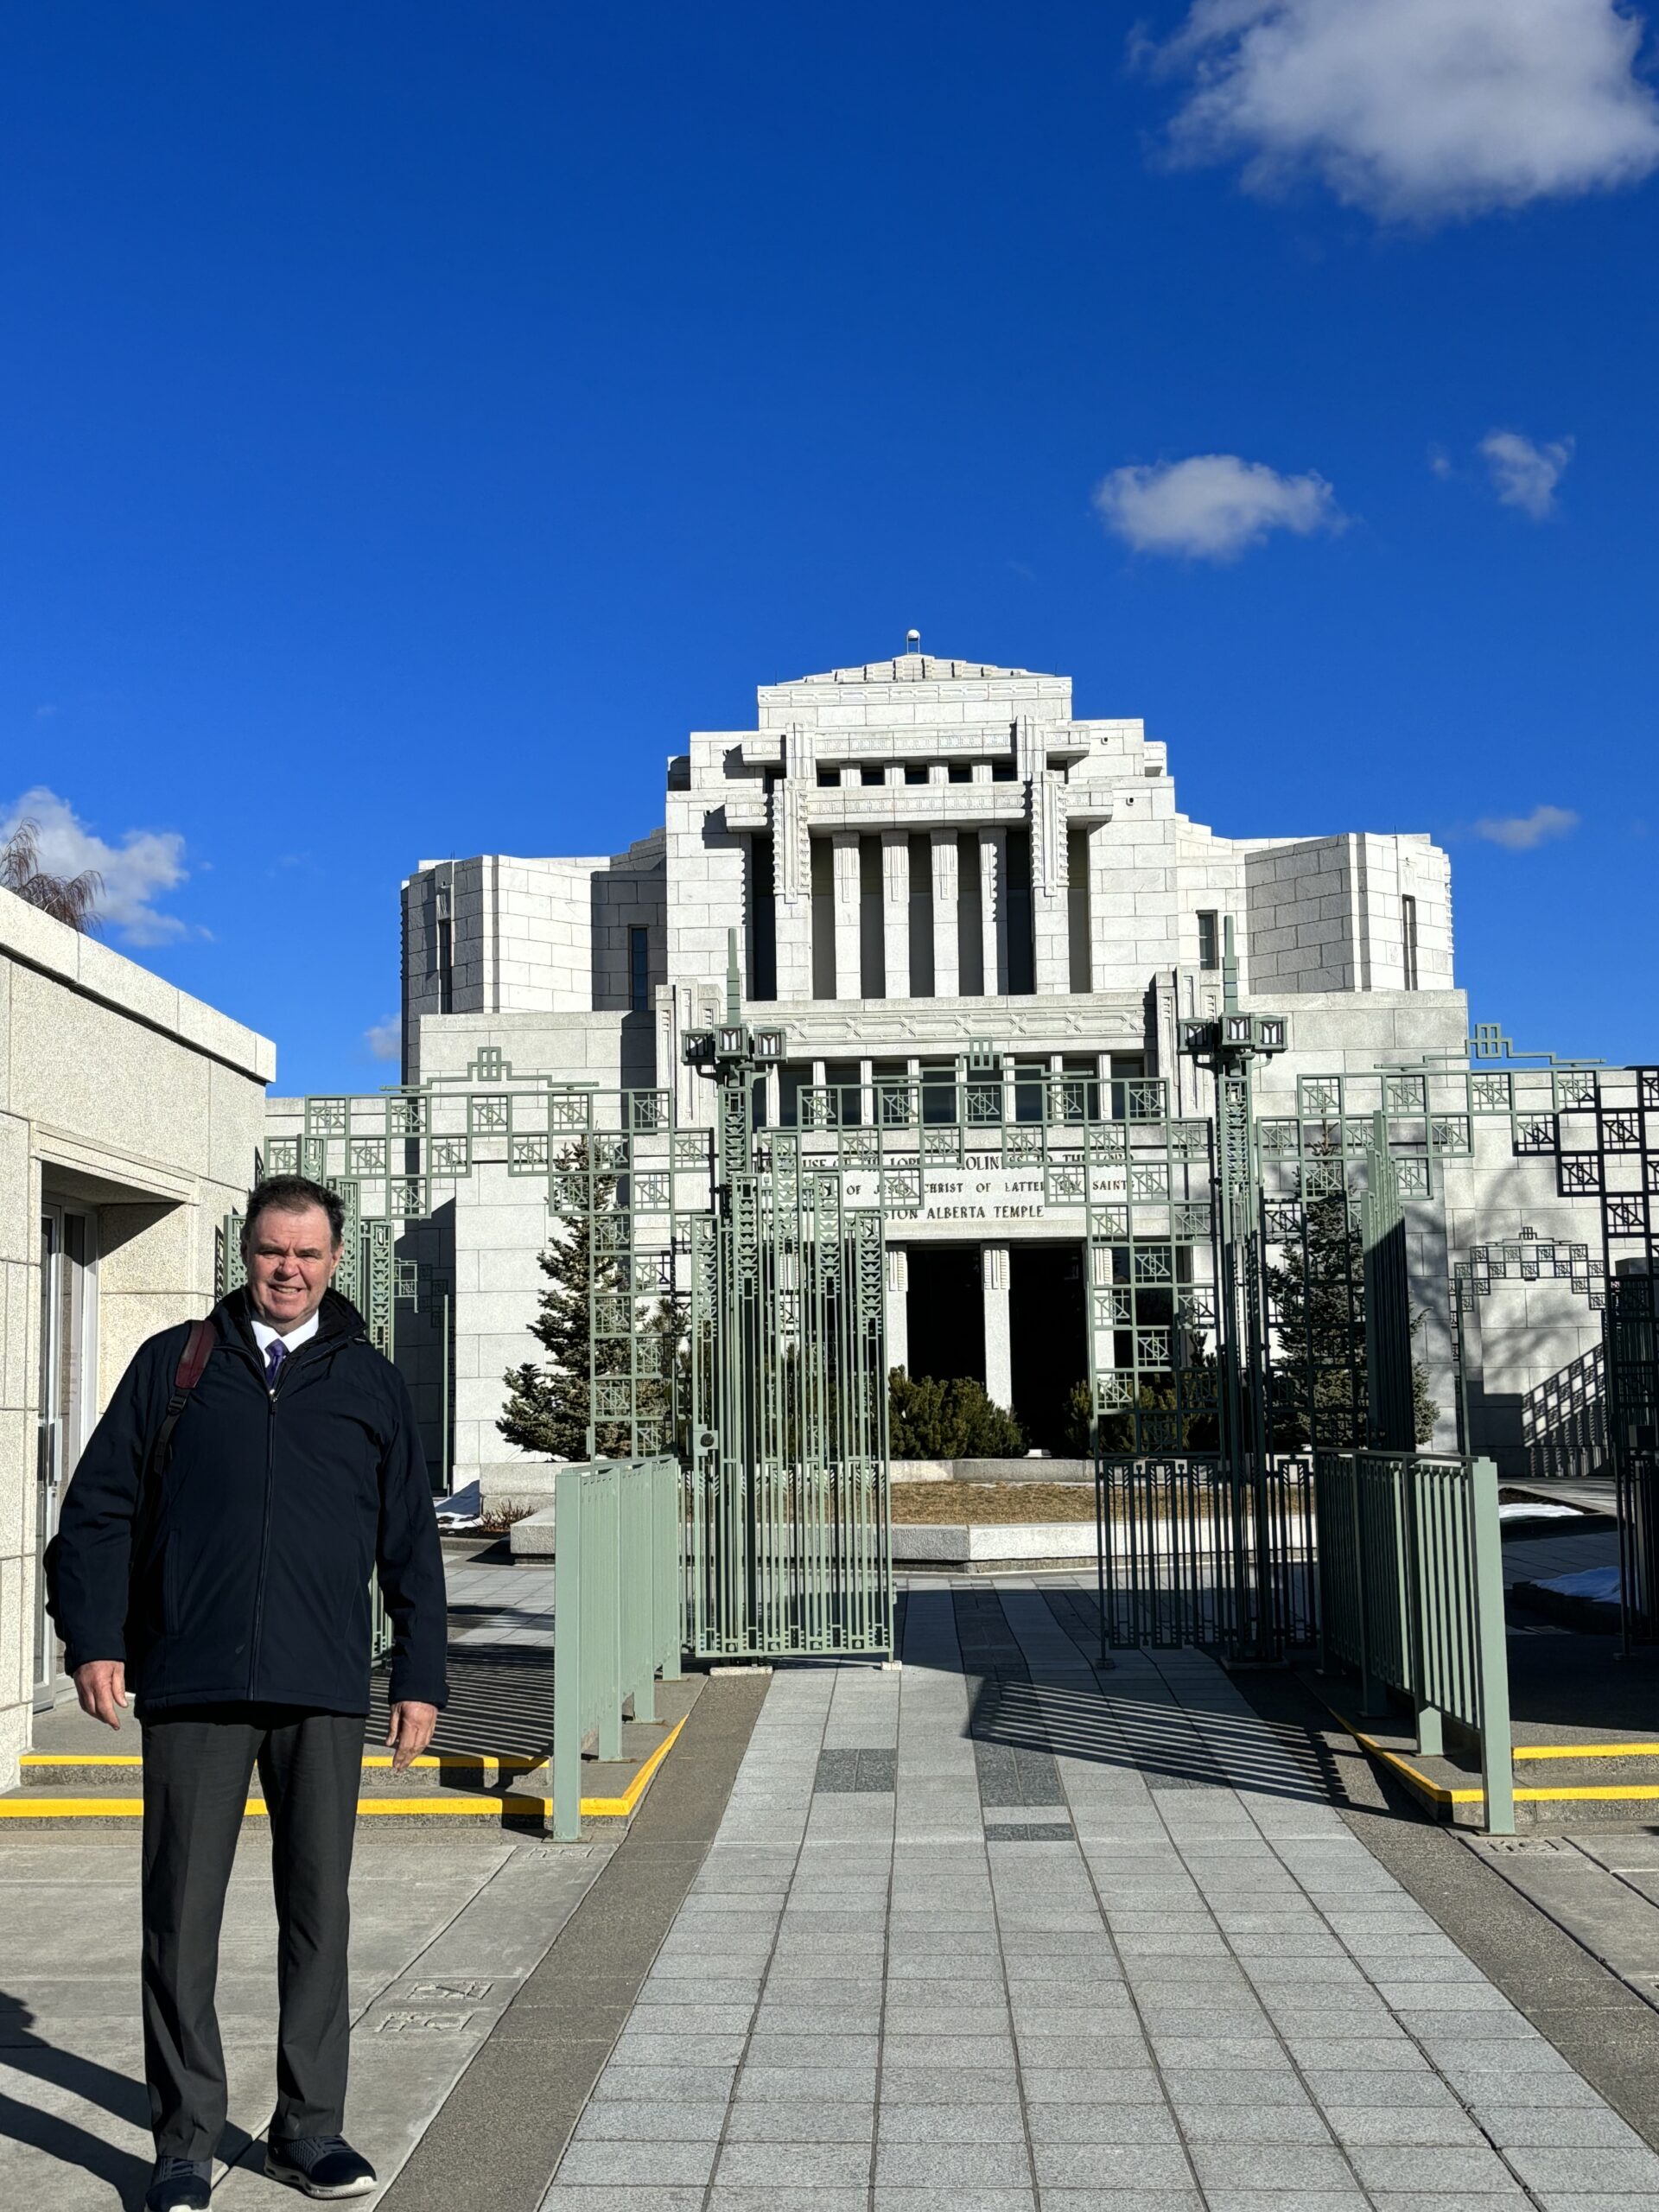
{"type": "Point", "coordinates": [1188, 1555]}
{"type": "Point", "coordinates": [616, 1610]}
{"type": "Point", "coordinates": [1411, 1594]}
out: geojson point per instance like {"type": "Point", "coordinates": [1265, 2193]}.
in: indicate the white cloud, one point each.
{"type": "Point", "coordinates": [1520, 833]}
{"type": "Point", "coordinates": [145, 864]}
{"type": "Point", "coordinates": [1523, 475]}
{"type": "Point", "coordinates": [1212, 506]}
{"type": "Point", "coordinates": [1417, 110]}
{"type": "Point", "coordinates": [385, 1039]}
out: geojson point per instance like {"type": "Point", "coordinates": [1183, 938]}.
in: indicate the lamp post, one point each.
{"type": "Point", "coordinates": [1229, 1046]}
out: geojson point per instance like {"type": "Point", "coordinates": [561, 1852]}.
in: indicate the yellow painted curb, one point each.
{"type": "Point", "coordinates": [1436, 1793]}
{"type": "Point", "coordinates": [495, 1762]}
{"type": "Point", "coordinates": [514, 1802]}
{"type": "Point", "coordinates": [1586, 1751]}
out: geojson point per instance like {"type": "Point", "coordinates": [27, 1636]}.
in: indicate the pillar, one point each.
{"type": "Point", "coordinates": [994, 908]}
{"type": "Point", "coordinates": [792, 873]}
{"type": "Point", "coordinates": [845, 850]}
{"type": "Point", "coordinates": [1050, 909]}
{"type": "Point", "coordinates": [897, 1306]}
{"type": "Point", "coordinates": [947, 980]}
{"type": "Point", "coordinates": [895, 910]}
{"type": "Point", "coordinates": [998, 1346]}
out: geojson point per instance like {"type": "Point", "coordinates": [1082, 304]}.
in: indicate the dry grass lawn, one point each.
{"type": "Point", "coordinates": [961, 1504]}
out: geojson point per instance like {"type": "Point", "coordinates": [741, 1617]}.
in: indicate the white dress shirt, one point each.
{"type": "Point", "coordinates": [264, 1336]}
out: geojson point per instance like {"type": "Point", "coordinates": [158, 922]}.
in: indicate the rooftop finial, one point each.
{"type": "Point", "coordinates": [912, 641]}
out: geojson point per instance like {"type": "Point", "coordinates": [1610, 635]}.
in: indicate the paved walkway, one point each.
{"type": "Point", "coordinates": [998, 1932]}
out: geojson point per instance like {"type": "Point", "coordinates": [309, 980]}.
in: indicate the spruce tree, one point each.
{"type": "Point", "coordinates": [1316, 1296]}
{"type": "Point", "coordinates": [549, 1406]}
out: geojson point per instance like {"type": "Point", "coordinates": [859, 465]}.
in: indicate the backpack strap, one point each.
{"type": "Point", "coordinates": [193, 1361]}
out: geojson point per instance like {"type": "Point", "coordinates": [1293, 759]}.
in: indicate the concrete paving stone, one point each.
{"type": "Point", "coordinates": [971, 2053]}
{"type": "Point", "coordinates": [905, 2084]}
{"type": "Point", "coordinates": [1280, 2166]}
{"type": "Point", "coordinates": [689, 1993]}
{"type": "Point", "coordinates": [663, 2084]}
{"type": "Point", "coordinates": [1112, 2165]}
{"type": "Point", "coordinates": [1464, 1997]}
{"type": "Point", "coordinates": [743, 2197]}
{"type": "Point", "coordinates": [1286, 2200]}
{"type": "Point", "coordinates": [1219, 2087]}
{"type": "Point", "coordinates": [1491, 2200]}
{"type": "Point", "coordinates": [1378, 2054]}
{"type": "Point", "coordinates": [1632, 2172]}
{"type": "Point", "coordinates": [895, 2197]}
{"type": "Point", "coordinates": [782, 2016]}
{"type": "Point", "coordinates": [1403, 2125]}
{"type": "Point", "coordinates": [662, 2162]}
{"type": "Point", "coordinates": [905, 2017]}
{"type": "Point", "coordinates": [618, 2197]}
{"type": "Point", "coordinates": [1122, 2200]}
{"type": "Point", "coordinates": [1592, 2201]}
{"type": "Point", "coordinates": [1100, 2122]}
{"type": "Point", "coordinates": [1557, 2128]}
{"type": "Point", "coordinates": [644, 2046]}
{"type": "Point", "coordinates": [795, 2165]}
{"type": "Point", "coordinates": [1421, 2089]}
{"type": "Point", "coordinates": [721, 2021]}
{"type": "Point", "coordinates": [812, 2083]}
{"type": "Point", "coordinates": [1243, 2123]}
{"type": "Point", "coordinates": [1125, 2047]}
{"type": "Point", "coordinates": [1196, 1944]}
{"type": "Point", "coordinates": [642, 2120]}
{"type": "Point", "coordinates": [1466, 2169]}
{"type": "Point", "coordinates": [773, 2049]}
{"type": "Point", "coordinates": [1481, 2087]}
{"type": "Point", "coordinates": [966, 1969]}
{"type": "Point", "coordinates": [987, 2122]}
{"type": "Point", "coordinates": [952, 2164]}
{"type": "Point", "coordinates": [808, 2120]}
{"type": "Point", "coordinates": [1247, 2054]}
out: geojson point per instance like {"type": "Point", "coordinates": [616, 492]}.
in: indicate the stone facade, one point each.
{"type": "Point", "coordinates": [130, 1118]}
{"type": "Point", "coordinates": [915, 853]}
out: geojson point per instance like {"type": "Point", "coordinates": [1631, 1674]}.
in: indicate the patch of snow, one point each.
{"type": "Point", "coordinates": [461, 1509]}
{"type": "Point", "coordinates": [1600, 1582]}
{"type": "Point", "coordinates": [1539, 1512]}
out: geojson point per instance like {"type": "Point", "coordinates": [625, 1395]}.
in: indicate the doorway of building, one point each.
{"type": "Point", "coordinates": [946, 1312]}
{"type": "Point", "coordinates": [1048, 1345]}
{"type": "Point", "coordinates": [65, 1400]}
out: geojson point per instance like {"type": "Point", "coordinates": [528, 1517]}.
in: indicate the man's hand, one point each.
{"type": "Point", "coordinates": [101, 1685]}
{"type": "Point", "coordinates": [410, 1733]}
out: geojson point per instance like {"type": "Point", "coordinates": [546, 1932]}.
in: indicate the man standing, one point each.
{"type": "Point", "coordinates": [224, 1578]}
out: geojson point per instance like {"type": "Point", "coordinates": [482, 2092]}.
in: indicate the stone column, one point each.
{"type": "Point", "coordinates": [895, 910]}
{"type": "Point", "coordinates": [947, 980]}
{"type": "Point", "coordinates": [994, 908]}
{"type": "Point", "coordinates": [1051, 914]}
{"type": "Point", "coordinates": [845, 845]}
{"type": "Point", "coordinates": [999, 1349]}
{"type": "Point", "coordinates": [897, 1306]}
{"type": "Point", "coordinates": [791, 869]}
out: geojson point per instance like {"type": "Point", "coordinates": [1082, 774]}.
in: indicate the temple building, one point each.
{"type": "Point", "coordinates": [919, 855]}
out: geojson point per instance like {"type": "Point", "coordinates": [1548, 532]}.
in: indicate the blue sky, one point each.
{"type": "Point", "coordinates": [416, 418]}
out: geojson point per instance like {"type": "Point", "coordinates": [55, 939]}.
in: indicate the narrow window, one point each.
{"type": "Point", "coordinates": [872, 937]}
{"type": "Point", "coordinates": [959, 772]}
{"type": "Point", "coordinates": [763, 920]}
{"type": "Point", "coordinates": [871, 775]}
{"type": "Point", "coordinates": [639, 970]}
{"type": "Point", "coordinates": [1209, 940]}
{"type": "Point", "coordinates": [921, 917]}
{"type": "Point", "coordinates": [829, 779]}
{"type": "Point", "coordinates": [1001, 771]}
{"type": "Point", "coordinates": [916, 773]}
{"type": "Point", "coordinates": [1408, 936]}
{"type": "Point", "coordinates": [824, 920]}
{"type": "Point", "coordinates": [1077, 905]}
{"type": "Point", "coordinates": [970, 929]}
{"type": "Point", "coordinates": [445, 967]}
{"type": "Point", "coordinates": [841, 1077]}
{"type": "Point", "coordinates": [1022, 959]}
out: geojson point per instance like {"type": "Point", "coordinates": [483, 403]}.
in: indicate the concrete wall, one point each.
{"type": "Point", "coordinates": [128, 1099]}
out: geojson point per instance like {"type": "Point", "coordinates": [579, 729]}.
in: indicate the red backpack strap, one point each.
{"type": "Point", "coordinates": [193, 1361]}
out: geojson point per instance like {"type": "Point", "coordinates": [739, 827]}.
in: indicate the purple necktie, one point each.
{"type": "Point", "coordinates": [276, 1353]}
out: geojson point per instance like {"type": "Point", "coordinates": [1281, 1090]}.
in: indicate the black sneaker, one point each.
{"type": "Point", "coordinates": [180, 2185]}
{"type": "Point", "coordinates": [322, 2165]}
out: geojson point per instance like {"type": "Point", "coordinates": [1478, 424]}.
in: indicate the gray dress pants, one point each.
{"type": "Point", "coordinates": [197, 1764]}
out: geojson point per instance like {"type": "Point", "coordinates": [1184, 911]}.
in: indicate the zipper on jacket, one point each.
{"type": "Point", "coordinates": [265, 1546]}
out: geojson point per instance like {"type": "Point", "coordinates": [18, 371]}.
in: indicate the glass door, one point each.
{"type": "Point", "coordinates": [64, 1400]}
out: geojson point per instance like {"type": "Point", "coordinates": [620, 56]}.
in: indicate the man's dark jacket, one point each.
{"type": "Point", "coordinates": [242, 1570]}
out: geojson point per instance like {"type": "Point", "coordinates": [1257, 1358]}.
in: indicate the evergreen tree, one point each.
{"type": "Point", "coordinates": [1316, 1297]}
{"type": "Point", "coordinates": [549, 1406]}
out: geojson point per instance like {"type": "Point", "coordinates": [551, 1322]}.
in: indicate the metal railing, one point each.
{"type": "Point", "coordinates": [616, 1610]}
{"type": "Point", "coordinates": [1186, 1555]}
{"type": "Point", "coordinates": [1411, 1593]}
